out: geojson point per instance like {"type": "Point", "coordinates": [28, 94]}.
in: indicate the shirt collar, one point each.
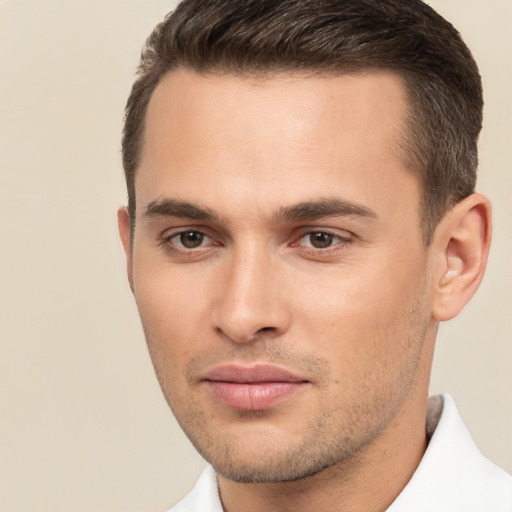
{"type": "Point", "coordinates": [453, 475]}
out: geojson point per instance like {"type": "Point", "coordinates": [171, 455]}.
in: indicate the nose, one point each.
{"type": "Point", "coordinates": [251, 300]}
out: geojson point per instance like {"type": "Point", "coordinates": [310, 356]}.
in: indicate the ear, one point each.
{"type": "Point", "coordinates": [123, 224]}
{"type": "Point", "coordinates": [461, 242]}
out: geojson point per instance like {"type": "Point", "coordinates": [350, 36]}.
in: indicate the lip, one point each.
{"type": "Point", "coordinates": [253, 388]}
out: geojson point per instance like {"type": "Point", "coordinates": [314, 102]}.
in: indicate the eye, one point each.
{"type": "Point", "coordinates": [190, 239]}
{"type": "Point", "coordinates": [321, 240]}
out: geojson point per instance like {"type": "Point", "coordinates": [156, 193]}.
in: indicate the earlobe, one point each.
{"type": "Point", "coordinates": [123, 224]}
{"type": "Point", "coordinates": [462, 240]}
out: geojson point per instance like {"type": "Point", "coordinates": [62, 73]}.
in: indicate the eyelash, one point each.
{"type": "Point", "coordinates": [167, 240]}
{"type": "Point", "coordinates": [339, 241]}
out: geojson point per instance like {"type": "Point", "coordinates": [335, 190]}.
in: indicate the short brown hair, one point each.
{"type": "Point", "coordinates": [332, 37]}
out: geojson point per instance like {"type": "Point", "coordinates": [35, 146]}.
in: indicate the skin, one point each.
{"type": "Point", "coordinates": [229, 159]}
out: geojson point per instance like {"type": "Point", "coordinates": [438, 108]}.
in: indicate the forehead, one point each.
{"type": "Point", "coordinates": [292, 106]}
{"type": "Point", "coordinates": [303, 135]}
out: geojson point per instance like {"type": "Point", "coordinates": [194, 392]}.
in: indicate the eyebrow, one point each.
{"type": "Point", "coordinates": [308, 210]}
{"type": "Point", "coordinates": [329, 207]}
{"type": "Point", "coordinates": [181, 209]}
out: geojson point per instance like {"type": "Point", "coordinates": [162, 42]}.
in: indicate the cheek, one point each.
{"type": "Point", "coordinates": [368, 322]}
{"type": "Point", "coordinates": [168, 298]}
{"type": "Point", "coordinates": [173, 312]}
{"type": "Point", "coordinates": [373, 344]}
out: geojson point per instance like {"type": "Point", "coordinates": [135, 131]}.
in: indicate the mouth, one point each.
{"type": "Point", "coordinates": [253, 388]}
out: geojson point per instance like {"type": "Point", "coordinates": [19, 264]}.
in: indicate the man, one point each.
{"type": "Point", "coordinates": [301, 217]}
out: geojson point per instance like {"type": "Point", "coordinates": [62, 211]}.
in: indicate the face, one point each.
{"type": "Point", "coordinates": [279, 268]}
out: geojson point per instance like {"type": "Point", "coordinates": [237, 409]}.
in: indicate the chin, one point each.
{"type": "Point", "coordinates": [271, 464]}
{"type": "Point", "coordinates": [267, 473]}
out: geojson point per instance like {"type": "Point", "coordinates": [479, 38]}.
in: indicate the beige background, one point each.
{"type": "Point", "coordinates": [83, 425]}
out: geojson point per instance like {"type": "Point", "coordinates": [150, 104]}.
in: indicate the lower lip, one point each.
{"type": "Point", "coordinates": [254, 396]}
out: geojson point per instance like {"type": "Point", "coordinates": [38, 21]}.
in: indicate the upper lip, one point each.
{"type": "Point", "coordinates": [255, 373]}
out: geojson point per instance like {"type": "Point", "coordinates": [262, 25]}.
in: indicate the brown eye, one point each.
{"type": "Point", "coordinates": [321, 240]}
{"type": "Point", "coordinates": [191, 239]}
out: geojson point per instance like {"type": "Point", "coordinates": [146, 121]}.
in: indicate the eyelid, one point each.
{"type": "Point", "coordinates": [165, 239]}
{"type": "Point", "coordinates": [343, 239]}
{"type": "Point", "coordinates": [341, 234]}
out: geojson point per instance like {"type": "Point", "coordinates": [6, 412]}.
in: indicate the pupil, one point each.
{"type": "Point", "coordinates": [191, 239]}
{"type": "Point", "coordinates": [321, 240]}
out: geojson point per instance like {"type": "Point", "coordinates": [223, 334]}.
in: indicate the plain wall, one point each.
{"type": "Point", "coordinates": [83, 424]}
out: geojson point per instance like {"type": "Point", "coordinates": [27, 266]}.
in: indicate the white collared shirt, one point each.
{"type": "Point", "coordinates": [453, 476]}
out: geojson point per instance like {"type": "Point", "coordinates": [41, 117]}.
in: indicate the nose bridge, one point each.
{"type": "Point", "coordinates": [249, 296]}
